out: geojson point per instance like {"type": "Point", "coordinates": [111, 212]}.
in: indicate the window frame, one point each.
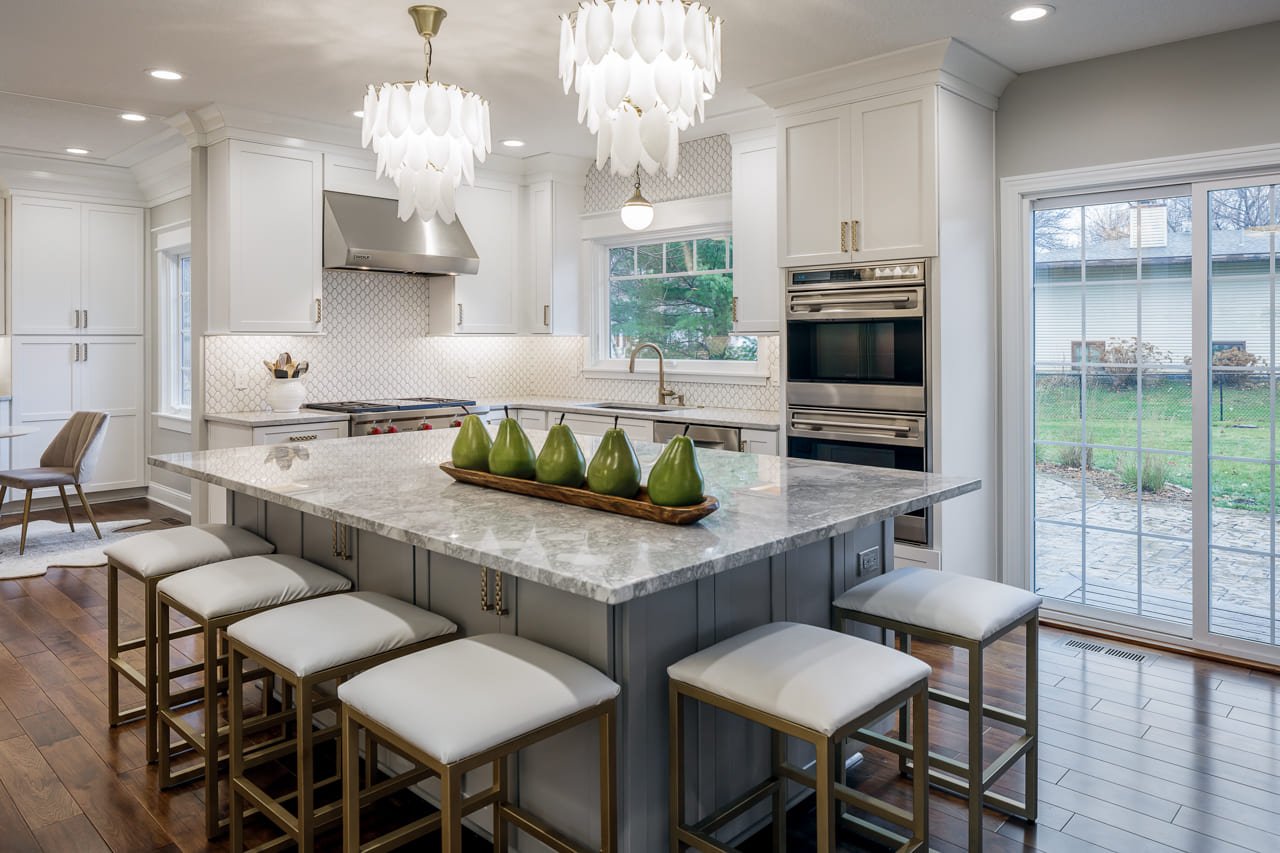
{"type": "Point", "coordinates": [171, 248]}
{"type": "Point", "coordinates": [599, 366]}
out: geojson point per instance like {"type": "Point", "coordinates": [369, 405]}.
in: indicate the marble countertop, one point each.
{"type": "Point", "coordinates": [751, 418]}
{"type": "Point", "coordinates": [392, 485]}
{"type": "Point", "coordinates": [262, 419]}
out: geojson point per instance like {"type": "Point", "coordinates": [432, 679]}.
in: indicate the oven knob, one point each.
{"type": "Point", "coordinates": [391, 428]}
{"type": "Point", "coordinates": [425, 425]}
{"type": "Point", "coordinates": [456, 424]}
{"type": "Point", "coordinates": [375, 430]}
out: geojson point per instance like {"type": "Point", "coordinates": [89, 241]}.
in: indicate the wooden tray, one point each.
{"type": "Point", "coordinates": [638, 507]}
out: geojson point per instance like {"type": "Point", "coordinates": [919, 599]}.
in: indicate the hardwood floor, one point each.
{"type": "Point", "coordinates": [1164, 754]}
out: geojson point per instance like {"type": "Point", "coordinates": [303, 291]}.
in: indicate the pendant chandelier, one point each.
{"type": "Point", "coordinates": [427, 134]}
{"type": "Point", "coordinates": [643, 71]}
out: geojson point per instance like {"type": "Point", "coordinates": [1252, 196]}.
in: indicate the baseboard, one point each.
{"type": "Point", "coordinates": [170, 497]}
{"type": "Point", "coordinates": [1150, 640]}
{"type": "Point", "coordinates": [39, 504]}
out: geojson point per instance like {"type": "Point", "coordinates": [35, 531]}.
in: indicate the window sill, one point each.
{"type": "Point", "coordinates": [173, 421]}
{"type": "Point", "coordinates": [712, 377]}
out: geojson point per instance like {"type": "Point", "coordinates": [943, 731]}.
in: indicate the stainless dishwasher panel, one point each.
{"type": "Point", "coordinates": [710, 437]}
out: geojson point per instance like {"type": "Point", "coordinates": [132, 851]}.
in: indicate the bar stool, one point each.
{"type": "Point", "coordinates": [214, 597]}
{"type": "Point", "coordinates": [970, 613]}
{"type": "Point", "coordinates": [307, 644]}
{"type": "Point", "coordinates": [464, 704]}
{"type": "Point", "coordinates": [810, 683]}
{"type": "Point", "coordinates": [151, 557]}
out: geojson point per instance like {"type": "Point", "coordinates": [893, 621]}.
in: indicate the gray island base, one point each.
{"type": "Point", "coordinates": [628, 596]}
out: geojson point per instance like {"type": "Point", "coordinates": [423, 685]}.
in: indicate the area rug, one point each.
{"type": "Point", "coordinates": [51, 543]}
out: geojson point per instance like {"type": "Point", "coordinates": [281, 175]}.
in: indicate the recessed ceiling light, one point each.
{"type": "Point", "coordinates": [133, 116]}
{"type": "Point", "coordinates": [77, 150]}
{"type": "Point", "coordinates": [358, 113]}
{"type": "Point", "coordinates": [513, 143]}
{"type": "Point", "coordinates": [164, 74]}
{"type": "Point", "coordinates": [1030, 13]}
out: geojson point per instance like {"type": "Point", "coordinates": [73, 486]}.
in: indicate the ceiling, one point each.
{"type": "Point", "coordinates": [69, 67]}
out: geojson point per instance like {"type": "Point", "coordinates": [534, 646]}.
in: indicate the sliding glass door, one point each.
{"type": "Point", "coordinates": [1154, 371]}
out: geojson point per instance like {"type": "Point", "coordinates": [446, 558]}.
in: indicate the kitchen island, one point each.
{"type": "Point", "coordinates": [628, 596]}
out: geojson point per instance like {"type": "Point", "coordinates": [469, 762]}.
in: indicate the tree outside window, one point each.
{"type": "Point", "coordinates": [677, 294]}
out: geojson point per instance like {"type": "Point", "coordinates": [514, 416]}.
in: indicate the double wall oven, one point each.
{"type": "Point", "coordinates": [857, 370]}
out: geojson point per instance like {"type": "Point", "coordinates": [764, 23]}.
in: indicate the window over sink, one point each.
{"type": "Point", "coordinates": [674, 290]}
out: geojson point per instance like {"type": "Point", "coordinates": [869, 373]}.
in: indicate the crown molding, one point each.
{"type": "Point", "coordinates": [165, 176]}
{"type": "Point", "coordinates": [946, 62]}
{"type": "Point", "coordinates": [556, 167]}
{"type": "Point", "coordinates": [68, 178]}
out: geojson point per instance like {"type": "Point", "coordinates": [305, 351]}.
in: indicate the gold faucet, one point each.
{"type": "Point", "coordinates": [664, 393]}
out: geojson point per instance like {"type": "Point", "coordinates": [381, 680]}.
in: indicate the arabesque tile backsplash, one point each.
{"type": "Point", "coordinates": [376, 345]}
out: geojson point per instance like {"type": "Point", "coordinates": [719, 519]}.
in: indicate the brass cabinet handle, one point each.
{"type": "Point", "coordinates": [309, 437]}
{"type": "Point", "coordinates": [546, 315]}
{"type": "Point", "coordinates": [497, 595]}
{"type": "Point", "coordinates": [318, 314]}
{"type": "Point", "coordinates": [853, 228]}
{"type": "Point", "coordinates": [77, 358]}
{"type": "Point", "coordinates": [735, 309]}
{"type": "Point", "coordinates": [844, 236]}
{"type": "Point", "coordinates": [459, 315]}
{"type": "Point", "coordinates": [77, 313]}
{"type": "Point", "coordinates": [86, 353]}
{"type": "Point", "coordinates": [484, 590]}
{"type": "Point", "coordinates": [742, 446]}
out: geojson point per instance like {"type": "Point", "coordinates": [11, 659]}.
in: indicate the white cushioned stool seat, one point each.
{"type": "Point", "coordinates": [972, 608]}
{"type": "Point", "coordinates": [248, 583]}
{"type": "Point", "coordinates": [163, 552]}
{"type": "Point", "coordinates": [466, 696]}
{"type": "Point", "coordinates": [321, 633]}
{"type": "Point", "coordinates": [811, 676]}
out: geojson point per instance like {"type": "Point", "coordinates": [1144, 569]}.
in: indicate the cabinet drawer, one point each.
{"type": "Point", "coordinates": [295, 434]}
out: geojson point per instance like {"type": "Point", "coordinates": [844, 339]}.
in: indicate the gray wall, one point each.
{"type": "Point", "coordinates": [160, 440]}
{"type": "Point", "coordinates": [1206, 94]}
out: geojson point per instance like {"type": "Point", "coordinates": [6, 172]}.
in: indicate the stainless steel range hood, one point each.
{"type": "Point", "coordinates": [364, 233]}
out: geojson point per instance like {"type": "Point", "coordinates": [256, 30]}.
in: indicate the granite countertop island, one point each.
{"type": "Point", "coordinates": [391, 485]}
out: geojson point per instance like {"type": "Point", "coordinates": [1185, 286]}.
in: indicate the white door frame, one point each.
{"type": "Point", "coordinates": [1016, 196]}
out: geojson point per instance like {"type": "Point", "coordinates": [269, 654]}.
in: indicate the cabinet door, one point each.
{"type": "Point", "coordinates": [454, 590]}
{"type": "Point", "coordinates": [109, 378]}
{"type": "Point", "coordinates": [531, 418]}
{"type": "Point", "coordinates": [275, 230]}
{"type": "Point", "coordinates": [329, 544]}
{"type": "Point", "coordinates": [486, 303]}
{"type": "Point", "coordinates": [44, 393]}
{"type": "Point", "coordinates": [540, 230]}
{"type": "Point", "coordinates": [761, 441]}
{"type": "Point", "coordinates": [111, 262]}
{"type": "Point", "coordinates": [894, 176]}
{"type": "Point", "coordinates": [299, 433]}
{"type": "Point", "coordinates": [813, 182]}
{"type": "Point", "coordinates": [584, 424]}
{"type": "Point", "coordinates": [757, 282]}
{"type": "Point", "coordinates": [46, 266]}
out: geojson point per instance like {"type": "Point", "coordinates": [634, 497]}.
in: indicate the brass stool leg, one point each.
{"type": "Point", "coordinates": [350, 783]}
{"type": "Point", "coordinates": [903, 640]}
{"type": "Point", "coordinates": [824, 784]}
{"type": "Point", "coordinates": [778, 752]}
{"type": "Point", "coordinates": [451, 811]}
{"type": "Point", "coordinates": [113, 646]}
{"type": "Point", "coordinates": [306, 771]}
{"type": "Point", "coordinates": [235, 748]}
{"type": "Point", "coordinates": [500, 780]}
{"type": "Point", "coordinates": [608, 779]}
{"type": "Point", "coordinates": [1032, 768]}
{"type": "Point", "coordinates": [212, 743]}
{"type": "Point", "coordinates": [150, 648]}
{"type": "Point", "coordinates": [920, 754]}
{"type": "Point", "coordinates": [976, 725]}
{"type": "Point", "coordinates": [163, 657]}
{"type": "Point", "coordinates": [675, 769]}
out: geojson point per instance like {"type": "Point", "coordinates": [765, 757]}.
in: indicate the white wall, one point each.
{"type": "Point", "coordinates": [1207, 94]}
{"type": "Point", "coordinates": [159, 439]}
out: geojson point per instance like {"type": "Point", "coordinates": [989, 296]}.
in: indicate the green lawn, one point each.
{"type": "Point", "coordinates": [1240, 427]}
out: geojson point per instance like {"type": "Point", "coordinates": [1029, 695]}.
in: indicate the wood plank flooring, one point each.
{"type": "Point", "coordinates": [1166, 754]}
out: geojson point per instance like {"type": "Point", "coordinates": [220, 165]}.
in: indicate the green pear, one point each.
{"type": "Point", "coordinates": [614, 470]}
{"type": "Point", "coordinates": [471, 447]}
{"type": "Point", "coordinates": [676, 479]}
{"type": "Point", "coordinates": [561, 462]}
{"type": "Point", "coordinates": [511, 454]}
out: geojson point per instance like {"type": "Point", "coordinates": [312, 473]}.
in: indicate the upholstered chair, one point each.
{"type": "Point", "coordinates": [67, 461]}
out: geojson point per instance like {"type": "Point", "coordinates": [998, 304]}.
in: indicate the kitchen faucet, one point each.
{"type": "Point", "coordinates": [664, 393]}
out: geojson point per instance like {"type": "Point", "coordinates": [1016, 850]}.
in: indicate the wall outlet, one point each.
{"type": "Point", "coordinates": [869, 561]}
{"type": "Point", "coordinates": [241, 379]}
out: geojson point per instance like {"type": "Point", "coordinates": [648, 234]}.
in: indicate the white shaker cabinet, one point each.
{"type": "Point", "coordinates": [56, 376]}
{"type": "Point", "coordinates": [550, 229]}
{"type": "Point", "coordinates": [77, 267]}
{"type": "Point", "coordinates": [265, 233]}
{"type": "Point", "coordinates": [859, 182]}
{"type": "Point", "coordinates": [486, 303]}
{"type": "Point", "coordinates": [757, 281]}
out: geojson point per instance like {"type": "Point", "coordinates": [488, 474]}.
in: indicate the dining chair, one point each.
{"type": "Point", "coordinates": [67, 461]}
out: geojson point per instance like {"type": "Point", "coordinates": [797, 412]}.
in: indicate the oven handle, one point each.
{"type": "Point", "coordinates": [818, 299]}
{"type": "Point", "coordinates": [897, 430]}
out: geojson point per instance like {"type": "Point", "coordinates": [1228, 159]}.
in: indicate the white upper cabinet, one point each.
{"type": "Point", "coordinates": [859, 182]}
{"type": "Point", "coordinates": [550, 228]}
{"type": "Point", "coordinates": [265, 231]}
{"type": "Point", "coordinates": [757, 281]}
{"type": "Point", "coordinates": [486, 303]}
{"type": "Point", "coordinates": [77, 268]}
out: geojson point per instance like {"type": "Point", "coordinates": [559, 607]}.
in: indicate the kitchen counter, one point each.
{"type": "Point", "coordinates": [391, 485]}
{"type": "Point", "coordinates": [262, 419]}
{"type": "Point", "coordinates": [712, 416]}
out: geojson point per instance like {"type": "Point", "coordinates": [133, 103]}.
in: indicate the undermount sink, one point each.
{"type": "Point", "coordinates": [633, 407]}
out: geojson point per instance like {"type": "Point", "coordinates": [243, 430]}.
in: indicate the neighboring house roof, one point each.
{"type": "Point", "coordinates": [1238, 243]}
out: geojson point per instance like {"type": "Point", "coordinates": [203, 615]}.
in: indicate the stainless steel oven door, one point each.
{"type": "Point", "coordinates": [819, 302]}
{"type": "Point", "coordinates": [878, 439]}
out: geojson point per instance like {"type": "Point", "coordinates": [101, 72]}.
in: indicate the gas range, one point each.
{"type": "Point", "coordinates": [403, 414]}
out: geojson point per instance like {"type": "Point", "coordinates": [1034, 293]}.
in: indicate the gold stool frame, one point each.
{"type": "Point", "coordinates": [831, 792]}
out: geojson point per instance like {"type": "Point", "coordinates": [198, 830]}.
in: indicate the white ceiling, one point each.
{"type": "Point", "coordinates": [68, 67]}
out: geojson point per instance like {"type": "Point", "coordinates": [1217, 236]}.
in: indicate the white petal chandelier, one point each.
{"type": "Point", "coordinates": [643, 71]}
{"type": "Point", "coordinates": [427, 134]}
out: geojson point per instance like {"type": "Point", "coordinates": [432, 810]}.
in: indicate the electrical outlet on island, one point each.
{"type": "Point", "coordinates": [869, 562]}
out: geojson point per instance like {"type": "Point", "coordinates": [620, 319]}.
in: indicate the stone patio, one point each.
{"type": "Point", "coordinates": [1241, 582]}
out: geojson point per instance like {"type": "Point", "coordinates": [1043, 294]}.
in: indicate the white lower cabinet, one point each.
{"type": "Point", "coordinates": [285, 443]}
{"type": "Point", "coordinates": [636, 429]}
{"type": "Point", "coordinates": [53, 377]}
{"type": "Point", "coordinates": [762, 441]}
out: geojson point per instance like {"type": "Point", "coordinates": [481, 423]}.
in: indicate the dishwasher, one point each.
{"type": "Point", "coordinates": [710, 437]}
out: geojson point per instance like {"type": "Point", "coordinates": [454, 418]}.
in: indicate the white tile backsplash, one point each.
{"type": "Point", "coordinates": [375, 345]}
